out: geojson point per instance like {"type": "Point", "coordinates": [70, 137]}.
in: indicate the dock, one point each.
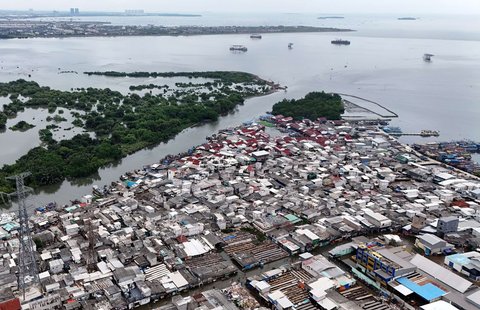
{"type": "Point", "coordinates": [424, 134]}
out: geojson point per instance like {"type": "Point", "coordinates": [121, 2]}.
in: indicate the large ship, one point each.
{"type": "Point", "coordinates": [255, 36]}
{"type": "Point", "coordinates": [340, 42]}
{"type": "Point", "coordinates": [238, 48]}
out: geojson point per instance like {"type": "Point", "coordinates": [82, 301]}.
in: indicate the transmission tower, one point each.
{"type": "Point", "coordinates": [27, 265]}
{"type": "Point", "coordinates": [91, 258]}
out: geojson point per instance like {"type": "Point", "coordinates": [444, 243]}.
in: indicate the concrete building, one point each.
{"type": "Point", "coordinates": [447, 225]}
{"type": "Point", "coordinates": [377, 219]}
{"type": "Point", "coordinates": [431, 244]}
{"type": "Point", "coordinates": [465, 263]}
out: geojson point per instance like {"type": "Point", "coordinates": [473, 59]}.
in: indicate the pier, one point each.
{"type": "Point", "coordinates": [423, 133]}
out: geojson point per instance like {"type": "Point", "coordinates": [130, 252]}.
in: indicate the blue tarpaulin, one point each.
{"type": "Point", "coordinates": [428, 291]}
{"type": "Point", "coordinates": [131, 184]}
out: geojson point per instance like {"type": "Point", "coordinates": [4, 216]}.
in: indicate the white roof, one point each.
{"type": "Point", "coordinates": [262, 285]}
{"type": "Point", "coordinates": [178, 279]}
{"type": "Point", "coordinates": [439, 305]}
{"type": "Point", "coordinates": [285, 303]}
{"type": "Point", "coordinates": [194, 248]}
{"type": "Point", "coordinates": [444, 175]}
{"type": "Point", "coordinates": [44, 275]}
{"type": "Point", "coordinates": [322, 284]}
{"type": "Point", "coordinates": [405, 291]}
{"type": "Point", "coordinates": [306, 255]}
{"type": "Point", "coordinates": [327, 304]}
{"type": "Point", "coordinates": [438, 272]}
{"type": "Point", "coordinates": [102, 266]}
{"type": "Point", "coordinates": [474, 298]}
{"type": "Point", "coordinates": [308, 233]}
{"type": "Point", "coordinates": [260, 153]}
{"type": "Point", "coordinates": [46, 256]}
{"type": "Point", "coordinates": [276, 295]}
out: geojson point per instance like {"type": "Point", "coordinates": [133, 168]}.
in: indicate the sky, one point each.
{"type": "Point", "coordinates": [261, 6]}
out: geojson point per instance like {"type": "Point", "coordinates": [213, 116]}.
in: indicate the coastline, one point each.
{"type": "Point", "coordinates": [41, 30]}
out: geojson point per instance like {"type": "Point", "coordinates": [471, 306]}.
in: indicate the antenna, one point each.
{"type": "Point", "coordinates": [27, 264]}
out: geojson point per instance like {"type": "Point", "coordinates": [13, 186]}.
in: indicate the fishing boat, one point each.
{"type": "Point", "coordinates": [238, 48]}
{"type": "Point", "coordinates": [427, 57]}
{"type": "Point", "coordinates": [340, 42]}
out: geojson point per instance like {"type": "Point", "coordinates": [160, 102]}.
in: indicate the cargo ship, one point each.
{"type": "Point", "coordinates": [238, 48]}
{"type": "Point", "coordinates": [340, 42]}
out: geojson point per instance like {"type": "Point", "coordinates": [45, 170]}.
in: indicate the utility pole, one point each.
{"type": "Point", "coordinates": [27, 264]}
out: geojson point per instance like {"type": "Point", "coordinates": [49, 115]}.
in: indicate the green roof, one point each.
{"type": "Point", "coordinates": [292, 218]}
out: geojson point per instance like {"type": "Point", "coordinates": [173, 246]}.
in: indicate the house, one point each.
{"type": "Point", "coordinates": [447, 225]}
{"type": "Point", "coordinates": [419, 221]}
{"type": "Point", "coordinates": [465, 263]}
{"type": "Point", "coordinates": [377, 219]}
{"type": "Point", "coordinates": [432, 244]}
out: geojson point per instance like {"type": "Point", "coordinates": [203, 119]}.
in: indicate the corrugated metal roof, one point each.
{"type": "Point", "coordinates": [440, 273]}
{"type": "Point", "coordinates": [428, 291]}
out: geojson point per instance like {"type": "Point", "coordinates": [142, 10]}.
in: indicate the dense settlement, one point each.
{"type": "Point", "coordinates": [299, 214]}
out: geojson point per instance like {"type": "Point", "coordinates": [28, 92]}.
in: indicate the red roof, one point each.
{"type": "Point", "coordinates": [460, 203]}
{"type": "Point", "coordinates": [182, 239]}
{"type": "Point", "coordinates": [11, 304]}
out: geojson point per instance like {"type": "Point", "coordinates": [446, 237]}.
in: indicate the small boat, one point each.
{"type": "Point", "coordinates": [427, 57]}
{"type": "Point", "coordinates": [255, 36]}
{"type": "Point", "coordinates": [238, 48]}
{"type": "Point", "coordinates": [340, 42]}
{"type": "Point", "coordinates": [290, 45]}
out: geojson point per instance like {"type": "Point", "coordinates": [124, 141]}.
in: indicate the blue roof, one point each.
{"type": "Point", "coordinates": [459, 259]}
{"type": "Point", "coordinates": [428, 291]}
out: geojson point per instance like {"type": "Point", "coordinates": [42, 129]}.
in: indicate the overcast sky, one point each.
{"type": "Point", "coordinates": [313, 6]}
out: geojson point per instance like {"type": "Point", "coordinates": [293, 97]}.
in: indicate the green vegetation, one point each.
{"type": "Point", "coordinates": [57, 118]}
{"type": "Point", "coordinates": [312, 106]}
{"type": "Point", "coordinates": [22, 126]}
{"type": "Point", "coordinates": [224, 76]}
{"type": "Point", "coordinates": [120, 124]}
{"type": "Point", "coordinates": [149, 86]}
{"type": "Point", "coordinates": [3, 120]}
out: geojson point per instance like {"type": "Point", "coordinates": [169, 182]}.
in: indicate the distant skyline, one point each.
{"type": "Point", "coordinates": [261, 6]}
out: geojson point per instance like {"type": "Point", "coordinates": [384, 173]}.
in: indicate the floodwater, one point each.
{"type": "Point", "coordinates": [385, 66]}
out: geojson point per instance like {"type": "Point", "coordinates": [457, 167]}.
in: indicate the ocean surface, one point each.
{"type": "Point", "coordinates": [383, 63]}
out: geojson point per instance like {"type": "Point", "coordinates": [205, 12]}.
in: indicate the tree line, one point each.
{"type": "Point", "coordinates": [314, 105]}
